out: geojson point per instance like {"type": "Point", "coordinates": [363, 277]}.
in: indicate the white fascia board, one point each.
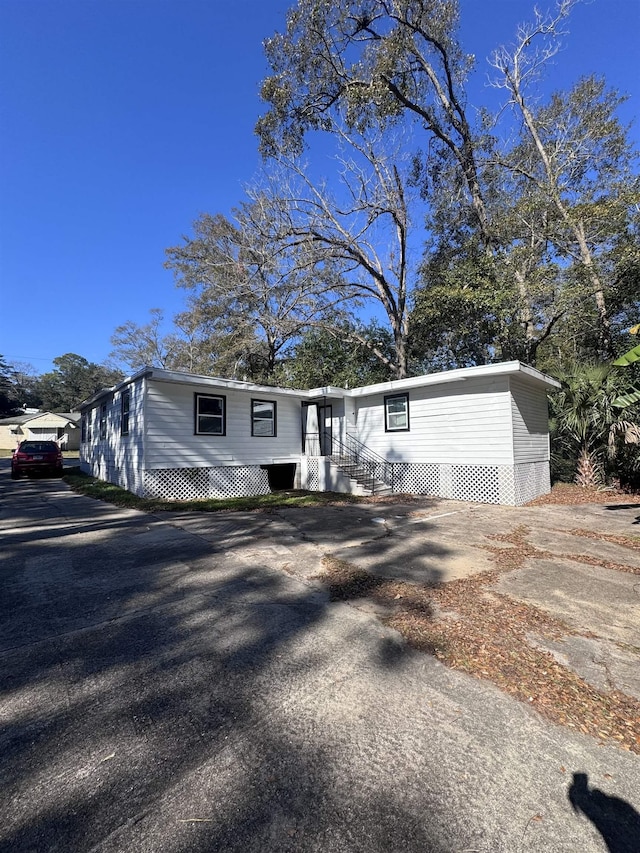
{"type": "Point", "coordinates": [537, 376]}
{"type": "Point", "coordinates": [506, 368]}
{"type": "Point", "coordinates": [327, 391]}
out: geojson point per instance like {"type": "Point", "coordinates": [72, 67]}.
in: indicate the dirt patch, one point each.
{"type": "Point", "coordinates": [485, 633]}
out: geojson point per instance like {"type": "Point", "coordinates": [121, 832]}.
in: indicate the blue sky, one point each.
{"type": "Point", "coordinates": [122, 120]}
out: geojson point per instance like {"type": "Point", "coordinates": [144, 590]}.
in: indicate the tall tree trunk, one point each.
{"type": "Point", "coordinates": [575, 227]}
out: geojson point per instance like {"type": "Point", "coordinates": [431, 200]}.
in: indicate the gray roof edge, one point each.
{"type": "Point", "coordinates": [457, 375]}
{"type": "Point", "coordinates": [163, 375]}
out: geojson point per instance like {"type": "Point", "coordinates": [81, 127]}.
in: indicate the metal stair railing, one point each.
{"type": "Point", "coordinates": [352, 452]}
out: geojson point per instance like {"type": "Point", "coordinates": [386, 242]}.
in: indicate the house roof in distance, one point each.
{"type": "Point", "coordinates": [506, 368]}
{"type": "Point", "coordinates": [46, 419]}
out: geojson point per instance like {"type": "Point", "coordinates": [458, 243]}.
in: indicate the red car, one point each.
{"type": "Point", "coordinates": [36, 456]}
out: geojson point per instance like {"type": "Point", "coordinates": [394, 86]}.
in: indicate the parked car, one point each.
{"type": "Point", "coordinates": [31, 457]}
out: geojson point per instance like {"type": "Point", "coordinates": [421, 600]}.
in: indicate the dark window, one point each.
{"type": "Point", "coordinates": [396, 413]}
{"type": "Point", "coordinates": [83, 437]}
{"type": "Point", "coordinates": [38, 447]}
{"type": "Point", "coordinates": [263, 418]}
{"type": "Point", "coordinates": [103, 420]}
{"type": "Point", "coordinates": [125, 408]}
{"type": "Point", "coordinates": [89, 425]}
{"type": "Point", "coordinates": [210, 415]}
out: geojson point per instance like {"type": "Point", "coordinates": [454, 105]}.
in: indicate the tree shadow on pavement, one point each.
{"type": "Point", "coordinates": [613, 507]}
{"type": "Point", "coordinates": [161, 695]}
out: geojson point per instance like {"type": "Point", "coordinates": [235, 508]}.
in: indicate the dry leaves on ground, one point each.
{"type": "Point", "coordinates": [570, 494]}
{"type": "Point", "coordinates": [483, 632]}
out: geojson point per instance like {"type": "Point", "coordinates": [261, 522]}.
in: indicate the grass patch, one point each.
{"type": "Point", "coordinates": [93, 488]}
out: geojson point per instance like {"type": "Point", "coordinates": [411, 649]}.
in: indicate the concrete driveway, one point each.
{"type": "Point", "coordinates": [179, 684]}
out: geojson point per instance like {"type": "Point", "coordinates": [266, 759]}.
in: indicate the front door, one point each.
{"type": "Point", "coordinates": [325, 421]}
{"type": "Point", "coordinates": [310, 430]}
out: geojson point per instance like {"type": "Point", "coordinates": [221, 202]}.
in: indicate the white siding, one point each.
{"type": "Point", "coordinates": [461, 423]}
{"type": "Point", "coordinates": [530, 422]}
{"type": "Point", "coordinates": [170, 441]}
{"type": "Point", "coordinates": [117, 458]}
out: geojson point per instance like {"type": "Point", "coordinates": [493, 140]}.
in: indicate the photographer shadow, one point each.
{"type": "Point", "coordinates": [615, 819]}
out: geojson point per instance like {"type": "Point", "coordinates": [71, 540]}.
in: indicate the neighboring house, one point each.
{"type": "Point", "coordinates": [48, 426]}
{"type": "Point", "coordinates": [479, 433]}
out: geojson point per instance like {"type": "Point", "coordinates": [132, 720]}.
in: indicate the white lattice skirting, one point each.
{"type": "Point", "coordinates": [185, 484]}
{"type": "Point", "coordinates": [311, 474]}
{"type": "Point", "coordinates": [512, 485]}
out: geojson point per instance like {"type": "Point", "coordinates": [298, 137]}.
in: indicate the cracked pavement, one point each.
{"type": "Point", "coordinates": [181, 683]}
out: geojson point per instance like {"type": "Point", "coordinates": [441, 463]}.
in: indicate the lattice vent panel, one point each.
{"type": "Point", "coordinates": [532, 479]}
{"type": "Point", "coordinates": [483, 483]}
{"type": "Point", "coordinates": [313, 476]}
{"type": "Point", "coordinates": [186, 484]}
{"type": "Point", "coordinates": [418, 479]}
{"type": "Point", "coordinates": [241, 481]}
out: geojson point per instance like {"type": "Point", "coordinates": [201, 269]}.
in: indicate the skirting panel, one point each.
{"type": "Point", "coordinates": [310, 474]}
{"type": "Point", "coordinates": [185, 484]}
{"type": "Point", "coordinates": [495, 484]}
{"type": "Point", "coordinates": [531, 479]}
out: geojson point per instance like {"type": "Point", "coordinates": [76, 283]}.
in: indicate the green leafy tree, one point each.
{"type": "Point", "coordinates": [548, 208]}
{"type": "Point", "coordinates": [574, 156]}
{"type": "Point", "coordinates": [9, 402]}
{"type": "Point", "coordinates": [73, 380]}
{"type": "Point", "coordinates": [561, 196]}
{"type": "Point", "coordinates": [336, 357]}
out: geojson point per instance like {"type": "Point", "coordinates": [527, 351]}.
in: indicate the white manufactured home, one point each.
{"type": "Point", "coordinates": [478, 433]}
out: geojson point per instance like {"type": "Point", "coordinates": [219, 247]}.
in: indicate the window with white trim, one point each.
{"type": "Point", "coordinates": [210, 413]}
{"type": "Point", "coordinates": [396, 413]}
{"type": "Point", "coordinates": [263, 418]}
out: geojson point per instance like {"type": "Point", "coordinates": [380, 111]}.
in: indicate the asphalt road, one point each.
{"type": "Point", "coordinates": [161, 691]}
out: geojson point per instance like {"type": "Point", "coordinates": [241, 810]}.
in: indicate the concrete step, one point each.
{"type": "Point", "coordinates": [360, 477]}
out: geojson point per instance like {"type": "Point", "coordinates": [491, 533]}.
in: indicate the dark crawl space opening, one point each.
{"type": "Point", "coordinates": [281, 477]}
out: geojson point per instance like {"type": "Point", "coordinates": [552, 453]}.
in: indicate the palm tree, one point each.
{"type": "Point", "coordinates": [586, 425]}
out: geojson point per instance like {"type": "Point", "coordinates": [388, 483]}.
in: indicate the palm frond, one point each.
{"type": "Point", "coordinates": [628, 358]}
{"type": "Point", "coordinates": [626, 400]}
